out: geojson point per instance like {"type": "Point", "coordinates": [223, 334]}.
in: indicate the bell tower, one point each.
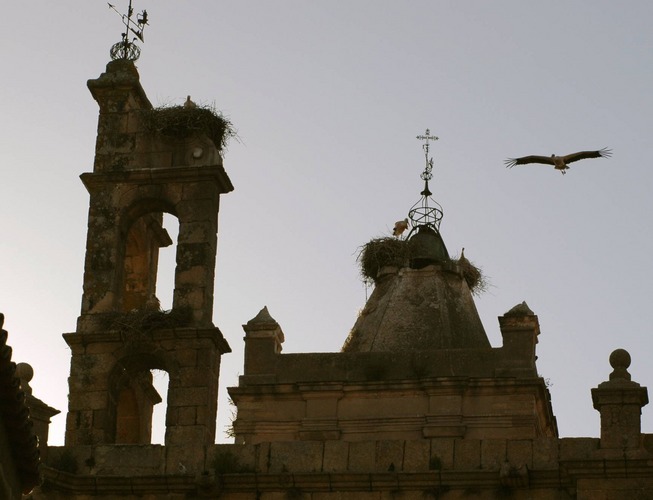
{"type": "Point", "coordinates": [148, 162]}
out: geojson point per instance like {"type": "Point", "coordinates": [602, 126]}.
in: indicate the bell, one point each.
{"type": "Point", "coordinates": [427, 247]}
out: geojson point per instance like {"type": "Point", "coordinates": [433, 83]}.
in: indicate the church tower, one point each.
{"type": "Point", "coordinates": [147, 162]}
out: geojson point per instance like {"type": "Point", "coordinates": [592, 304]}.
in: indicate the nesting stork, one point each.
{"type": "Point", "coordinates": [189, 103]}
{"type": "Point", "coordinates": [400, 227]}
{"type": "Point", "coordinates": [559, 162]}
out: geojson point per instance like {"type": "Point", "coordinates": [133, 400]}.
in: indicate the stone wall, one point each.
{"type": "Point", "coordinates": [444, 468]}
{"type": "Point", "coordinates": [409, 394]}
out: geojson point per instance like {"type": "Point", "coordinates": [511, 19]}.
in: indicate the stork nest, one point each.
{"type": "Point", "coordinates": [379, 253]}
{"type": "Point", "coordinates": [392, 252]}
{"type": "Point", "coordinates": [143, 320]}
{"type": "Point", "coordinates": [477, 282]}
{"type": "Point", "coordinates": [182, 122]}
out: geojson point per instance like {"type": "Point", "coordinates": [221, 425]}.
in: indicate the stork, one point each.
{"type": "Point", "coordinates": [559, 162]}
{"type": "Point", "coordinates": [189, 103]}
{"type": "Point", "coordinates": [400, 227]}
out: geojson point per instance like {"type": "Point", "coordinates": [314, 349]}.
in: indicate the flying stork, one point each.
{"type": "Point", "coordinates": [559, 162]}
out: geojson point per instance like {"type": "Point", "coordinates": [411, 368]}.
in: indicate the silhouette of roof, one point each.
{"type": "Point", "coordinates": [16, 419]}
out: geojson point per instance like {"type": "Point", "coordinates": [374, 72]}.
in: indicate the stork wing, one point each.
{"type": "Point", "coordinates": [581, 155]}
{"type": "Point", "coordinates": [511, 162]}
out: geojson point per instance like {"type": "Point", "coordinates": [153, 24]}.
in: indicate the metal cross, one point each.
{"type": "Point", "coordinates": [426, 138]}
{"type": "Point", "coordinates": [426, 175]}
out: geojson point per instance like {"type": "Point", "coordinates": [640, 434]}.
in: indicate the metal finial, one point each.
{"type": "Point", "coordinates": [426, 212]}
{"type": "Point", "coordinates": [127, 49]}
{"type": "Point", "coordinates": [426, 175]}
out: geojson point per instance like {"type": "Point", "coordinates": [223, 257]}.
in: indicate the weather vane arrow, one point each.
{"type": "Point", "coordinates": [126, 49]}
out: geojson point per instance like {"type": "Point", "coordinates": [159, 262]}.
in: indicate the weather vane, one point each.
{"type": "Point", "coordinates": [127, 49]}
{"type": "Point", "coordinates": [426, 212]}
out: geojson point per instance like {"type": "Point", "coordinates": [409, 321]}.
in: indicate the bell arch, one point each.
{"type": "Point", "coordinates": [132, 396]}
{"type": "Point", "coordinates": [141, 235]}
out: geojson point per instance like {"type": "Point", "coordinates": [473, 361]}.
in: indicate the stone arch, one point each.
{"type": "Point", "coordinates": [125, 234]}
{"type": "Point", "coordinates": [131, 395]}
{"type": "Point", "coordinates": [141, 235]}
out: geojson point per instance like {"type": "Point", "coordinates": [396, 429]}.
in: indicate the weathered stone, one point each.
{"type": "Point", "coordinates": [578, 448]}
{"type": "Point", "coordinates": [418, 309]}
{"type": "Point", "coordinates": [467, 454]}
{"type": "Point", "coordinates": [520, 452]}
{"type": "Point", "coordinates": [130, 460]}
{"type": "Point", "coordinates": [545, 453]}
{"type": "Point", "coordinates": [362, 456]}
{"type": "Point", "coordinates": [493, 453]}
{"type": "Point", "coordinates": [188, 396]}
{"type": "Point", "coordinates": [389, 456]}
{"type": "Point", "coordinates": [298, 456]}
{"type": "Point", "coordinates": [336, 454]}
{"type": "Point", "coordinates": [416, 456]}
{"type": "Point", "coordinates": [186, 415]}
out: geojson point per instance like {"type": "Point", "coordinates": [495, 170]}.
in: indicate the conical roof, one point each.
{"type": "Point", "coordinates": [428, 306]}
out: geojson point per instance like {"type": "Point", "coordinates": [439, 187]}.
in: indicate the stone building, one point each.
{"type": "Point", "coordinates": [417, 405]}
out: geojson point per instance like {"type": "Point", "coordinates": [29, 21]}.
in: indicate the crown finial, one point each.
{"type": "Point", "coordinates": [126, 49]}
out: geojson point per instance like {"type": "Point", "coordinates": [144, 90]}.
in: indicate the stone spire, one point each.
{"type": "Point", "coordinates": [421, 300]}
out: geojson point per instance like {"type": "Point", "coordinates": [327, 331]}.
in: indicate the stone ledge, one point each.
{"type": "Point", "coordinates": [181, 174]}
{"type": "Point", "coordinates": [183, 333]}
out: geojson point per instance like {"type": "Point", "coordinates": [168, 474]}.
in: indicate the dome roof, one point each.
{"type": "Point", "coordinates": [419, 309]}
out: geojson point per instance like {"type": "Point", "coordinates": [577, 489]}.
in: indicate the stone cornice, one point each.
{"type": "Point", "coordinates": [216, 173]}
{"type": "Point", "coordinates": [114, 336]}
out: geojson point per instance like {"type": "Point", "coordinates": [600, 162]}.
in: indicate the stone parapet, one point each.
{"type": "Point", "coordinates": [393, 409]}
{"type": "Point", "coordinates": [545, 468]}
{"type": "Point", "coordinates": [368, 366]}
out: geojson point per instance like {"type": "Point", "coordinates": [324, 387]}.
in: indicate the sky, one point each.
{"type": "Point", "coordinates": [327, 98]}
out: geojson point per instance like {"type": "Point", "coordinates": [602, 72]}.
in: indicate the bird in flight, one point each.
{"type": "Point", "coordinates": [559, 162]}
{"type": "Point", "coordinates": [400, 227]}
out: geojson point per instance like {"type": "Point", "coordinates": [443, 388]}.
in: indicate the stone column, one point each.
{"type": "Point", "coordinates": [196, 251]}
{"type": "Point", "coordinates": [620, 403]}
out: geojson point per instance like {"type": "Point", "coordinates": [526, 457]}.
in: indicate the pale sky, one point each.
{"type": "Point", "coordinates": [327, 98]}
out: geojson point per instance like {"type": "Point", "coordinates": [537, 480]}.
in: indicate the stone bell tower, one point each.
{"type": "Point", "coordinates": [143, 168]}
